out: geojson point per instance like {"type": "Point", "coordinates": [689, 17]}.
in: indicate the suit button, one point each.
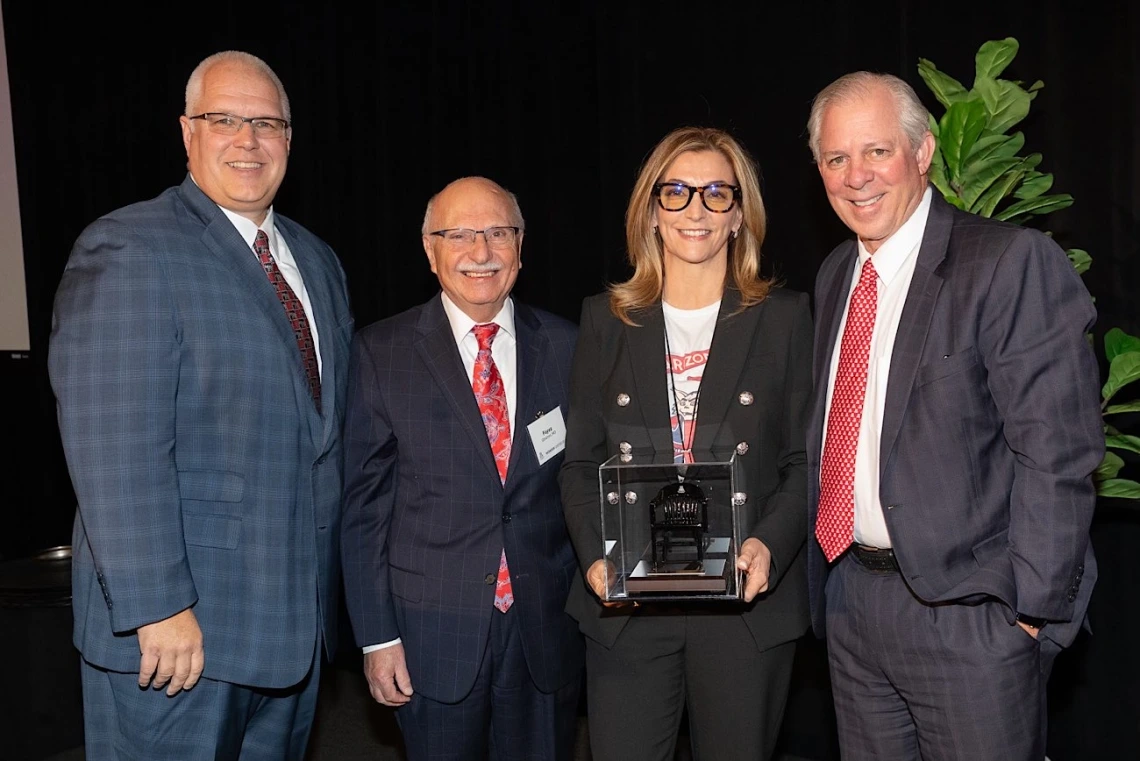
{"type": "Point", "coordinates": [506, 517]}
{"type": "Point", "coordinates": [489, 579]}
{"type": "Point", "coordinates": [321, 459]}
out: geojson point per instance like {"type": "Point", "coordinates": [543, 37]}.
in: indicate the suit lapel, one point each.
{"type": "Point", "coordinates": [530, 352]}
{"type": "Point", "coordinates": [222, 240]}
{"type": "Point", "coordinates": [647, 354]}
{"type": "Point", "coordinates": [435, 345]}
{"type": "Point", "coordinates": [914, 322]}
{"type": "Point", "coordinates": [727, 356]}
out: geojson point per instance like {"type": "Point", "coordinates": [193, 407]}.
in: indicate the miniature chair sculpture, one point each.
{"type": "Point", "coordinates": [678, 518]}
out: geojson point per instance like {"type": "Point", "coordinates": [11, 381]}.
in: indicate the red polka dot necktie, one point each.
{"type": "Point", "coordinates": [835, 523]}
{"type": "Point", "coordinates": [492, 398]}
{"type": "Point", "coordinates": [294, 311]}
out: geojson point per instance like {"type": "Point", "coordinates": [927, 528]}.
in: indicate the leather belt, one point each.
{"type": "Point", "coordinates": [875, 558]}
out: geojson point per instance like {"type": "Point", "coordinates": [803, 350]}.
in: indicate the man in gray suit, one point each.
{"type": "Point", "coordinates": [954, 430]}
{"type": "Point", "coordinates": [199, 360]}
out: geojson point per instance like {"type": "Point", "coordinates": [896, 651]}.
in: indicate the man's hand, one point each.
{"type": "Point", "coordinates": [387, 675]}
{"type": "Point", "coordinates": [171, 651]}
{"type": "Point", "coordinates": [756, 561]}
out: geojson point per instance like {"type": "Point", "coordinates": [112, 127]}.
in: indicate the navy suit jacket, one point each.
{"type": "Point", "coordinates": [204, 474]}
{"type": "Point", "coordinates": [992, 426]}
{"type": "Point", "coordinates": [426, 515]}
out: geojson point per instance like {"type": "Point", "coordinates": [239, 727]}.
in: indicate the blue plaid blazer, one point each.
{"type": "Point", "coordinates": [204, 474]}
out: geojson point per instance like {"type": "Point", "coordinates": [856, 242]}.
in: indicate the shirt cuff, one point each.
{"type": "Point", "coordinates": [381, 646]}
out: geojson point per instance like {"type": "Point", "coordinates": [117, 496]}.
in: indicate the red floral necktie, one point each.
{"type": "Point", "coordinates": [492, 398]}
{"type": "Point", "coordinates": [835, 524]}
{"type": "Point", "coordinates": [294, 311]}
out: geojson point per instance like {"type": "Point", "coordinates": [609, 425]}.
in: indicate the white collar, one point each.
{"type": "Point", "coordinates": [890, 256]}
{"type": "Point", "coordinates": [461, 324]}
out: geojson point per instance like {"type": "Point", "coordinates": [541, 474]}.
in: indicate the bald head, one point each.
{"type": "Point", "coordinates": [457, 191]}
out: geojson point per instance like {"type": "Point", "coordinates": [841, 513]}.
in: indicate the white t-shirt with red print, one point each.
{"type": "Point", "coordinates": [688, 336]}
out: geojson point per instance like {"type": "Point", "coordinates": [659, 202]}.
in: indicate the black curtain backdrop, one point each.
{"type": "Point", "coordinates": [559, 102]}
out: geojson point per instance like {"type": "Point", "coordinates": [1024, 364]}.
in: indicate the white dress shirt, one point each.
{"type": "Point", "coordinates": [894, 264]}
{"type": "Point", "coordinates": [503, 352]}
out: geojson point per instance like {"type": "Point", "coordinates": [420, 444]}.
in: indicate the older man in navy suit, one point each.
{"type": "Point", "coordinates": [954, 431]}
{"type": "Point", "coordinates": [199, 359]}
{"type": "Point", "coordinates": [456, 558]}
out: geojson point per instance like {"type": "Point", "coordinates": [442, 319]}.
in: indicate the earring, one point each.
{"type": "Point", "coordinates": [654, 229]}
{"type": "Point", "coordinates": [734, 234]}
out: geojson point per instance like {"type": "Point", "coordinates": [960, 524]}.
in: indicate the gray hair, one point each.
{"type": "Point", "coordinates": [194, 84]}
{"type": "Point", "coordinates": [512, 199]}
{"type": "Point", "coordinates": [912, 115]}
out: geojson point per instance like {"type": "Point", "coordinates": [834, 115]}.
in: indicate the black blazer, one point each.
{"type": "Point", "coordinates": [764, 350]}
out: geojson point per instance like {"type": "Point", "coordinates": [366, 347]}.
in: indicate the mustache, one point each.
{"type": "Point", "coordinates": [488, 267]}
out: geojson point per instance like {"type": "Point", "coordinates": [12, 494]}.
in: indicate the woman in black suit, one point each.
{"type": "Point", "coordinates": [694, 330]}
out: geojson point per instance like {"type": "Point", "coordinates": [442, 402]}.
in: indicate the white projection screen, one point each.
{"type": "Point", "coordinates": [15, 340]}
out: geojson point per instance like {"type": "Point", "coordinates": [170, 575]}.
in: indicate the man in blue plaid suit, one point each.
{"type": "Point", "coordinates": [198, 356]}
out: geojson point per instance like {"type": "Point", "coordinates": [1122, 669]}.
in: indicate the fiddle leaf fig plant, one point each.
{"type": "Point", "coordinates": [978, 167]}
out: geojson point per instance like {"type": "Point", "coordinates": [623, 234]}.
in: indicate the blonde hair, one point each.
{"type": "Point", "coordinates": [643, 246]}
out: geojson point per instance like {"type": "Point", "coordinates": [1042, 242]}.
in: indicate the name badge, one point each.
{"type": "Point", "coordinates": [548, 435]}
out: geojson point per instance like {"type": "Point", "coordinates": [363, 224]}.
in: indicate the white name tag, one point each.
{"type": "Point", "coordinates": [548, 435]}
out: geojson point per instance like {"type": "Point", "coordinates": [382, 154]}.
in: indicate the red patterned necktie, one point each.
{"type": "Point", "coordinates": [835, 523]}
{"type": "Point", "coordinates": [294, 311]}
{"type": "Point", "coordinates": [492, 398]}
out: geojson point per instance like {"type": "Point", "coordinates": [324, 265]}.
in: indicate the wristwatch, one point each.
{"type": "Point", "coordinates": [1030, 621]}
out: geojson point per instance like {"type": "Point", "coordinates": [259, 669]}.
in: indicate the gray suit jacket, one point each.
{"type": "Point", "coordinates": [204, 474]}
{"type": "Point", "coordinates": [992, 425]}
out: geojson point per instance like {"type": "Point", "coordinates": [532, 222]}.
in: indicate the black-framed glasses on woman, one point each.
{"type": "Point", "coordinates": [717, 197]}
{"type": "Point", "coordinates": [463, 237]}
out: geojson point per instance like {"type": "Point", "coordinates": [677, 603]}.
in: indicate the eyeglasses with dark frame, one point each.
{"type": "Point", "coordinates": [231, 124]}
{"type": "Point", "coordinates": [717, 197]}
{"type": "Point", "coordinates": [463, 237]}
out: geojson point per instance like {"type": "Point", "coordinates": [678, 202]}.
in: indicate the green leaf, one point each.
{"type": "Point", "coordinates": [1123, 442]}
{"type": "Point", "coordinates": [1109, 466]}
{"type": "Point", "coordinates": [991, 147]}
{"type": "Point", "coordinates": [998, 192]}
{"type": "Point", "coordinates": [961, 125]}
{"type": "Point", "coordinates": [1080, 260]}
{"type": "Point", "coordinates": [938, 175]}
{"type": "Point", "coordinates": [955, 201]}
{"type": "Point", "coordinates": [1035, 184]}
{"type": "Point", "coordinates": [1116, 409]}
{"type": "Point", "coordinates": [978, 178]}
{"type": "Point", "coordinates": [1122, 370]}
{"type": "Point", "coordinates": [1117, 342]}
{"type": "Point", "coordinates": [993, 57]}
{"type": "Point", "coordinates": [933, 124]}
{"type": "Point", "coordinates": [1118, 487]}
{"type": "Point", "coordinates": [1035, 206]}
{"type": "Point", "coordinates": [1006, 103]}
{"type": "Point", "coordinates": [1033, 88]}
{"type": "Point", "coordinates": [947, 89]}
